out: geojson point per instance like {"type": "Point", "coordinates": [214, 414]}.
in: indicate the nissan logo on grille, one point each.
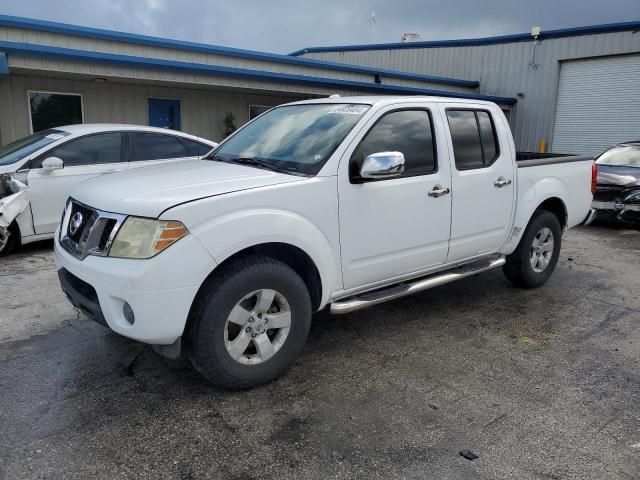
{"type": "Point", "coordinates": [75, 223]}
{"type": "Point", "coordinates": [88, 231]}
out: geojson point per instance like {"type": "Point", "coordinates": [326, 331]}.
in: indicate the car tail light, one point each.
{"type": "Point", "coordinates": [594, 177]}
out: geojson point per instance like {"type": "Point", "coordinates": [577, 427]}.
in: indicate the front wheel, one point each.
{"type": "Point", "coordinates": [533, 262]}
{"type": "Point", "coordinates": [249, 323]}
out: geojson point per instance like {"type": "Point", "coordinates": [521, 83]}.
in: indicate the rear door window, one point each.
{"type": "Point", "coordinates": [487, 137]}
{"type": "Point", "coordinates": [473, 137]}
{"type": "Point", "coordinates": [155, 146]}
{"type": "Point", "coordinates": [197, 148]}
{"type": "Point", "coordinates": [466, 139]}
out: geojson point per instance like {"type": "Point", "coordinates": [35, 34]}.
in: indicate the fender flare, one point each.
{"type": "Point", "coordinates": [531, 197]}
{"type": "Point", "coordinates": [226, 235]}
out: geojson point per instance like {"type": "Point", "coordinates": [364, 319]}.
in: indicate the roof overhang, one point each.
{"type": "Point", "coordinates": [471, 42]}
{"type": "Point", "coordinates": [33, 50]}
{"type": "Point", "coordinates": [110, 35]}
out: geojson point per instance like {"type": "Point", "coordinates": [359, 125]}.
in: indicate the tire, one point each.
{"type": "Point", "coordinates": [520, 268]}
{"type": "Point", "coordinates": [10, 243]}
{"type": "Point", "coordinates": [211, 332]}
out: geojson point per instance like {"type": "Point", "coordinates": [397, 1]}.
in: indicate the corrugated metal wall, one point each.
{"type": "Point", "coordinates": [506, 69]}
{"type": "Point", "coordinates": [203, 110]}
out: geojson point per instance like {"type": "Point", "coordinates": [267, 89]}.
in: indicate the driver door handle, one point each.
{"type": "Point", "coordinates": [502, 182]}
{"type": "Point", "coordinates": [438, 191]}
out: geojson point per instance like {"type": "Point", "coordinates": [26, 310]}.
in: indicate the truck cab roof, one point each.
{"type": "Point", "coordinates": [383, 100]}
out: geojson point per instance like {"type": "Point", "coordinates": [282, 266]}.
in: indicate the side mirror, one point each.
{"type": "Point", "coordinates": [382, 165]}
{"type": "Point", "coordinates": [52, 163]}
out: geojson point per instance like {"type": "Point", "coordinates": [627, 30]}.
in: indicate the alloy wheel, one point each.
{"type": "Point", "coordinates": [257, 327]}
{"type": "Point", "coordinates": [541, 250]}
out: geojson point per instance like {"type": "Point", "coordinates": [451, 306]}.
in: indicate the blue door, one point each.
{"type": "Point", "coordinates": [164, 113]}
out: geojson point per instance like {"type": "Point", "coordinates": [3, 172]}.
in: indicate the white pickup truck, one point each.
{"type": "Point", "coordinates": [340, 202]}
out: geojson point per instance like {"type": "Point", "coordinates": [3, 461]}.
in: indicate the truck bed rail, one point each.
{"type": "Point", "coordinates": [534, 159]}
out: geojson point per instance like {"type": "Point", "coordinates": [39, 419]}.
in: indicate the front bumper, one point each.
{"type": "Point", "coordinates": [81, 295]}
{"type": "Point", "coordinates": [614, 211]}
{"type": "Point", "coordinates": [159, 291]}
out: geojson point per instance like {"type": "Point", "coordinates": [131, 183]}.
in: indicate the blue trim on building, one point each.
{"type": "Point", "coordinates": [78, 31]}
{"type": "Point", "coordinates": [4, 66]}
{"type": "Point", "coordinates": [471, 42]}
{"type": "Point", "coordinates": [198, 68]}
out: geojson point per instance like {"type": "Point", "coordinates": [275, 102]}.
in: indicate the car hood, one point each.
{"type": "Point", "coordinates": [627, 177]}
{"type": "Point", "coordinates": [149, 191]}
{"type": "Point", "coordinates": [11, 168]}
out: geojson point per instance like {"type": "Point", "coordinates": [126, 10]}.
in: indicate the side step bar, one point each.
{"type": "Point", "coordinates": [369, 299]}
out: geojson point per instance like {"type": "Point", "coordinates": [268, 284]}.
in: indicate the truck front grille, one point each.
{"type": "Point", "coordinates": [88, 231]}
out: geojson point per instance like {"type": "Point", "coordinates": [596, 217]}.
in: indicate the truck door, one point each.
{"type": "Point", "coordinates": [395, 227]}
{"type": "Point", "coordinates": [482, 180]}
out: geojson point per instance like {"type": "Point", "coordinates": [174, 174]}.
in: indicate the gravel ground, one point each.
{"type": "Point", "coordinates": [537, 384]}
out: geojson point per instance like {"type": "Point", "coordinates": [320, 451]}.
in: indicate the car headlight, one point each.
{"type": "Point", "coordinates": [145, 237]}
{"type": "Point", "coordinates": [633, 197]}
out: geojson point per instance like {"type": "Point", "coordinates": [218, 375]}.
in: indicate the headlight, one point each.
{"type": "Point", "coordinates": [633, 197]}
{"type": "Point", "coordinates": [145, 238]}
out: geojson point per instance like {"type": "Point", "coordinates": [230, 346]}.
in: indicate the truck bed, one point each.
{"type": "Point", "coordinates": [563, 176]}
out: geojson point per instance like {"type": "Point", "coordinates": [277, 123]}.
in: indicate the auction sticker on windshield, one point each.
{"type": "Point", "coordinates": [350, 109]}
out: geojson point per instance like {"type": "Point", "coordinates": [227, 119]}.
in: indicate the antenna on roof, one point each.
{"type": "Point", "coordinates": [535, 33]}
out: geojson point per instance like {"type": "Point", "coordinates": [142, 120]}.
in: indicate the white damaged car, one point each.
{"type": "Point", "coordinates": [37, 172]}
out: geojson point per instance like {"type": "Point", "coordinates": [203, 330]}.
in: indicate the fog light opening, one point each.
{"type": "Point", "coordinates": [127, 311]}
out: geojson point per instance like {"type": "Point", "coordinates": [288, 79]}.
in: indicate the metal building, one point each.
{"type": "Point", "coordinates": [53, 74]}
{"type": "Point", "coordinates": [577, 89]}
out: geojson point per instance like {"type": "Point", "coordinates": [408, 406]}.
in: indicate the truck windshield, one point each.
{"type": "Point", "coordinates": [16, 151]}
{"type": "Point", "coordinates": [295, 139]}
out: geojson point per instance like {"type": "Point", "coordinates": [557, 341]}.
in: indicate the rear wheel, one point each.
{"type": "Point", "coordinates": [9, 239]}
{"type": "Point", "coordinates": [533, 262]}
{"type": "Point", "coordinates": [249, 323]}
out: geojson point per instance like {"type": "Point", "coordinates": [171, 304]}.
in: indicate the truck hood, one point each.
{"type": "Point", "coordinates": [149, 191]}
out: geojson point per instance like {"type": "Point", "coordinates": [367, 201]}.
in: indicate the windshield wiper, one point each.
{"type": "Point", "coordinates": [217, 158]}
{"type": "Point", "coordinates": [256, 162]}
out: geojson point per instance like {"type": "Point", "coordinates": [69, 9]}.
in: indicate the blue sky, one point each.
{"type": "Point", "coordinates": [286, 25]}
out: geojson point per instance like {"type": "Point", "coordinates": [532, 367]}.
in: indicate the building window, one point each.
{"type": "Point", "coordinates": [51, 109]}
{"type": "Point", "coordinates": [255, 110]}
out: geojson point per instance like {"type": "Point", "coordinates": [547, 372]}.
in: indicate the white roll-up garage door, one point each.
{"type": "Point", "coordinates": [598, 104]}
